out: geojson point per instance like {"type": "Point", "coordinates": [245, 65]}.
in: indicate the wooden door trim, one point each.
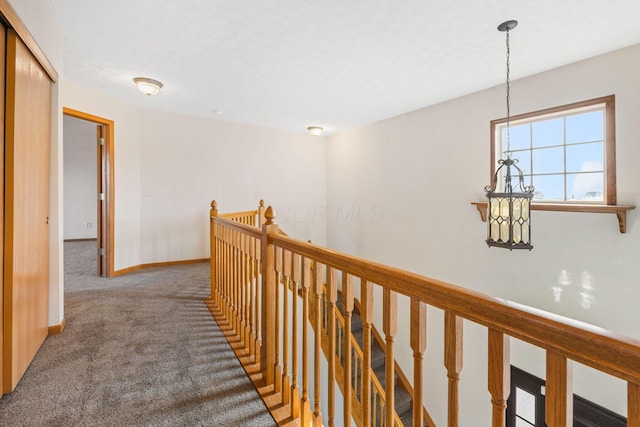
{"type": "Point", "coordinates": [27, 209]}
{"type": "Point", "coordinates": [14, 21]}
{"type": "Point", "coordinates": [107, 162]}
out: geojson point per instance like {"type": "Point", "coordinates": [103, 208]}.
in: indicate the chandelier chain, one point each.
{"type": "Point", "coordinates": [508, 96]}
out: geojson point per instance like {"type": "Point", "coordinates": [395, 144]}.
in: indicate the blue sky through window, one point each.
{"type": "Point", "coordinates": [562, 156]}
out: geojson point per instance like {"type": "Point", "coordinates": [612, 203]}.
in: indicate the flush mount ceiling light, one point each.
{"type": "Point", "coordinates": [315, 130]}
{"type": "Point", "coordinates": [148, 86]}
{"type": "Point", "coordinates": [509, 211]}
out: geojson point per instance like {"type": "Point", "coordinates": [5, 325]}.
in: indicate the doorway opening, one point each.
{"type": "Point", "coordinates": [103, 195]}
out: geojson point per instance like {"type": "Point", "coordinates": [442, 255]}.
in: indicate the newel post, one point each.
{"type": "Point", "coordinates": [213, 212]}
{"type": "Point", "coordinates": [268, 323]}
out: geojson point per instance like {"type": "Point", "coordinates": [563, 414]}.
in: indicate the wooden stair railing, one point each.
{"type": "Point", "coordinates": [259, 277]}
{"type": "Point", "coordinates": [403, 413]}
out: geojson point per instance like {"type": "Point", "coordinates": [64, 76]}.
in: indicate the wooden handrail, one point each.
{"type": "Point", "coordinates": [255, 272]}
{"type": "Point", "coordinates": [596, 347]}
{"type": "Point", "coordinates": [377, 387]}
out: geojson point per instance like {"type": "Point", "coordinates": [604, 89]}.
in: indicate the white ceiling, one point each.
{"type": "Point", "coordinates": [288, 64]}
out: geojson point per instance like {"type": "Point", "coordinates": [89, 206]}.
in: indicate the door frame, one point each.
{"type": "Point", "coordinates": [106, 177]}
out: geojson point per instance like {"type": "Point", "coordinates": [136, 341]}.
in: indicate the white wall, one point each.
{"type": "Point", "coordinates": [188, 161]}
{"type": "Point", "coordinates": [127, 141]}
{"type": "Point", "coordinates": [168, 168]}
{"type": "Point", "coordinates": [37, 16]}
{"type": "Point", "coordinates": [412, 177]}
{"type": "Point", "coordinates": [80, 179]}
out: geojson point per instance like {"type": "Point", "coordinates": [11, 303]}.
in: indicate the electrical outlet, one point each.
{"type": "Point", "coordinates": [89, 225]}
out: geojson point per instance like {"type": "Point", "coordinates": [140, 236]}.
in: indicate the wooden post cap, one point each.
{"type": "Point", "coordinates": [261, 203]}
{"type": "Point", "coordinates": [214, 204]}
{"type": "Point", "coordinates": [270, 215]}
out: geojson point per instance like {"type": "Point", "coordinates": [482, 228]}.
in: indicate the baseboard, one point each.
{"type": "Point", "coordinates": [57, 329]}
{"type": "Point", "coordinates": [91, 239]}
{"type": "Point", "coordinates": [157, 264]}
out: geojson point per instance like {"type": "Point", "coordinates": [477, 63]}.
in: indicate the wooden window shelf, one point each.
{"type": "Point", "coordinates": [619, 210]}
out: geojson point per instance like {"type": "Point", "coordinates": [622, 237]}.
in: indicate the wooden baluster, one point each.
{"type": "Point", "coordinates": [633, 405]}
{"type": "Point", "coordinates": [559, 394]}
{"type": "Point", "coordinates": [340, 342]}
{"type": "Point", "coordinates": [247, 291]}
{"type": "Point", "coordinates": [213, 212]}
{"type": "Point", "coordinates": [295, 392]}
{"type": "Point", "coordinates": [499, 376]}
{"type": "Point", "coordinates": [332, 297]}
{"type": "Point", "coordinates": [261, 214]}
{"type": "Point", "coordinates": [453, 362]}
{"type": "Point", "coordinates": [239, 285]}
{"type": "Point", "coordinates": [234, 278]}
{"type": "Point", "coordinates": [305, 405]}
{"type": "Point", "coordinates": [418, 345]}
{"type": "Point", "coordinates": [257, 268]}
{"type": "Point", "coordinates": [390, 328]}
{"type": "Point", "coordinates": [269, 315]}
{"type": "Point", "coordinates": [251, 254]}
{"type": "Point", "coordinates": [317, 373]}
{"type": "Point", "coordinates": [243, 285]}
{"type": "Point", "coordinates": [277, 367]}
{"type": "Point", "coordinates": [366, 314]}
{"type": "Point", "coordinates": [223, 271]}
{"type": "Point", "coordinates": [374, 415]}
{"type": "Point", "coordinates": [226, 263]}
{"type": "Point", "coordinates": [355, 369]}
{"type": "Point", "coordinates": [221, 267]}
{"type": "Point", "coordinates": [286, 275]}
{"type": "Point", "coordinates": [230, 277]}
{"type": "Point", "coordinates": [347, 306]}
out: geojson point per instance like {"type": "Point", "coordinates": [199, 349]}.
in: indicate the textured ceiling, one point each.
{"type": "Point", "coordinates": [288, 64]}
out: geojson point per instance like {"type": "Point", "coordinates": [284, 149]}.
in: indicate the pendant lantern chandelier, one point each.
{"type": "Point", "coordinates": [509, 211]}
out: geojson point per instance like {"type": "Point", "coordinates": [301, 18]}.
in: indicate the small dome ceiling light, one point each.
{"type": "Point", "coordinates": [148, 86]}
{"type": "Point", "coordinates": [315, 130]}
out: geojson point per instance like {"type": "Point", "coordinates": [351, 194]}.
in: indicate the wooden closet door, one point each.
{"type": "Point", "coordinates": [26, 243]}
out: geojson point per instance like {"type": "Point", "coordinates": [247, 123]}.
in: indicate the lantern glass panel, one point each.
{"type": "Point", "coordinates": [517, 233]}
{"type": "Point", "coordinates": [504, 208]}
{"type": "Point", "coordinates": [525, 232]}
{"type": "Point", "coordinates": [495, 231]}
{"type": "Point", "coordinates": [504, 232]}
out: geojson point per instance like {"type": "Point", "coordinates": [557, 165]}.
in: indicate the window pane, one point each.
{"type": "Point", "coordinates": [520, 137]}
{"type": "Point", "coordinates": [549, 187]}
{"type": "Point", "coordinates": [561, 153]}
{"type": "Point", "coordinates": [585, 127]}
{"type": "Point", "coordinates": [548, 132]}
{"type": "Point", "coordinates": [585, 187]}
{"type": "Point", "coordinates": [548, 160]}
{"type": "Point", "coordinates": [525, 405]}
{"type": "Point", "coordinates": [585, 157]}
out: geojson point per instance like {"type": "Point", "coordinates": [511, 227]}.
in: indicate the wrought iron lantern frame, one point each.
{"type": "Point", "coordinates": [509, 211]}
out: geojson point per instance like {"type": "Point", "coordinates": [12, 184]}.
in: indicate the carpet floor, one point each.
{"type": "Point", "coordinates": [138, 350]}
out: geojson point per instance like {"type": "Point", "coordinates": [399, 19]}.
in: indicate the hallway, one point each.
{"type": "Point", "coordinates": [138, 350]}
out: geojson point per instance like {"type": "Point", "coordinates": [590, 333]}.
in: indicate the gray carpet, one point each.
{"type": "Point", "coordinates": [139, 350]}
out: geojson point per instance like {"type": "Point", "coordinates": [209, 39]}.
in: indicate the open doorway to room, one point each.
{"type": "Point", "coordinates": [88, 192]}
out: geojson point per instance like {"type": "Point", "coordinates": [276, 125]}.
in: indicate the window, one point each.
{"type": "Point", "coordinates": [567, 153]}
{"type": "Point", "coordinates": [525, 407]}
